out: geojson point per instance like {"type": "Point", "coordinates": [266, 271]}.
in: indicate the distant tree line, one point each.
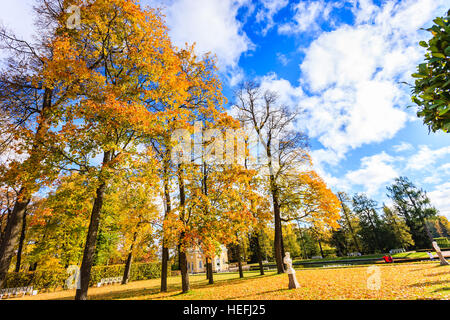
{"type": "Point", "coordinates": [410, 222]}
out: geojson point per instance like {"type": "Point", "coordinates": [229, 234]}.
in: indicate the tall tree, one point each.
{"type": "Point", "coordinates": [134, 200]}
{"type": "Point", "coordinates": [38, 79]}
{"type": "Point", "coordinates": [397, 229]}
{"type": "Point", "coordinates": [270, 121]}
{"type": "Point", "coordinates": [346, 213]}
{"type": "Point", "coordinates": [415, 207]}
{"type": "Point", "coordinates": [135, 63]}
{"type": "Point", "coordinates": [370, 222]}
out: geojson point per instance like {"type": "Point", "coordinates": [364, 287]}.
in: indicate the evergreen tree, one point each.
{"type": "Point", "coordinates": [415, 207]}
{"type": "Point", "coordinates": [370, 223]}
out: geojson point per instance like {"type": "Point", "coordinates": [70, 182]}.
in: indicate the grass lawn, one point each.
{"type": "Point", "coordinates": [410, 255]}
{"type": "Point", "coordinates": [369, 256]}
{"type": "Point", "coordinates": [398, 281]}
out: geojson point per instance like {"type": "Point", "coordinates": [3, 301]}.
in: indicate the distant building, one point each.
{"type": "Point", "coordinates": [196, 261]}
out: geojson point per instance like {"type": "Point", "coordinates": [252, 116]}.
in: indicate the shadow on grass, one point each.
{"type": "Point", "coordinates": [217, 283]}
{"type": "Point", "coordinates": [258, 294]}
{"type": "Point", "coordinates": [428, 263]}
{"type": "Point", "coordinates": [442, 289]}
{"type": "Point", "coordinates": [438, 274]}
{"type": "Point", "coordinates": [430, 283]}
{"type": "Point", "coordinates": [174, 290]}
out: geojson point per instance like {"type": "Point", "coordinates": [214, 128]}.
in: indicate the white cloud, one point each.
{"type": "Point", "coordinates": [319, 158]}
{"type": "Point", "coordinates": [375, 172]}
{"type": "Point", "coordinates": [288, 95]}
{"type": "Point", "coordinates": [426, 157]}
{"type": "Point", "coordinates": [433, 179]}
{"type": "Point", "coordinates": [346, 118]}
{"type": "Point", "coordinates": [445, 168]}
{"type": "Point", "coordinates": [306, 17]}
{"type": "Point", "coordinates": [440, 199]}
{"type": "Point", "coordinates": [364, 10]}
{"type": "Point", "coordinates": [403, 146]}
{"type": "Point", "coordinates": [269, 9]}
{"type": "Point", "coordinates": [353, 74]}
{"type": "Point", "coordinates": [211, 24]}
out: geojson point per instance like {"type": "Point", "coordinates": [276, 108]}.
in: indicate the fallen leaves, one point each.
{"type": "Point", "coordinates": [399, 282]}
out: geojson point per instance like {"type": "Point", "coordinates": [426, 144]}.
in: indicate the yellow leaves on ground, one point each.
{"type": "Point", "coordinates": [399, 282]}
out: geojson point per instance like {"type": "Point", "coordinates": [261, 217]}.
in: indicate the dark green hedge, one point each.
{"type": "Point", "coordinates": [44, 279]}
{"type": "Point", "coordinates": [442, 242]}
{"type": "Point", "coordinates": [52, 279]}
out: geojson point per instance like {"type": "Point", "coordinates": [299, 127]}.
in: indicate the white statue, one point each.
{"type": "Point", "coordinates": [293, 283]}
{"type": "Point", "coordinates": [288, 262]}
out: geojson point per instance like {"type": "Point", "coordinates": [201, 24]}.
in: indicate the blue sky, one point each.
{"type": "Point", "coordinates": [340, 61]}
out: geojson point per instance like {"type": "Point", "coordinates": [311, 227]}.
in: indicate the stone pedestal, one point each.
{"type": "Point", "coordinates": [293, 283]}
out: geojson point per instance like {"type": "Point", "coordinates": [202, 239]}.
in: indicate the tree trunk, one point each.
{"type": "Point", "coordinates": [126, 273]}
{"type": "Point", "coordinates": [278, 238]}
{"type": "Point", "coordinates": [21, 241]}
{"type": "Point", "coordinates": [209, 261]}
{"type": "Point", "coordinates": [320, 247]}
{"type": "Point", "coordinates": [185, 286]}
{"type": "Point", "coordinates": [206, 269]}
{"type": "Point", "coordinates": [259, 255]}
{"type": "Point", "coordinates": [14, 225]}
{"type": "Point", "coordinates": [278, 235]}
{"type": "Point", "coordinates": [375, 233]}
{"type": "Point", "coordinates": [3, 224]}
{"type": "Point", "coordinates": [238, 253]}
{"type": "Point", "coordinates": [91, 239]}
{"type": "Point", "coordinates": [164, 267]}
{"type": "Point", "coordinates": [209, 267]}
{"type": "Point", "coordinates": [165, 249]}
{"type": "Point", "coordinates": [12, 235]}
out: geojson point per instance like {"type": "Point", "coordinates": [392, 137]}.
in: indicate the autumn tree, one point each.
{"type": "Point", "coordinates": [397, 231]}
{"type": "Point", "coordinates": [57, 223]}
{"type": "Point", "coordinates": [133, 198]}
{"type": "Point", "coordinates": [307, 200]}
{"type": "Point", "coordinates": [133, 63]}
{"type": "Point", "coordinates": [439, 226]}
{"type": "Point", "coordinates": [38, 79]}
{"type": "Point", "coordinates": [217, 202]}
{"type": "Point", "coordinates": [270, 121]}
{"type": "Point", "coordinates": [290, 240]}
{"type": "Point", "coordinates": [212, 218]}
{"type": "Point", "coordinates": [203, 100]}
{"type": "Point", "coordinates": [163, 151]}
